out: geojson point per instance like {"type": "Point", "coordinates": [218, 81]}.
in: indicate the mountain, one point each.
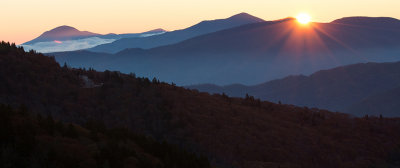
{"type": "Point", "coordinates": [255, 53]}
{"type": "Point", "coordinates": [360, 89]}
{"type": "Point", "coordinates": [66, 38]}
{"type": "Point", "coordinates": [62, 33]}
{"type": "Point", "coordinates": [231, 132]}
{"type": "Point", "coordinates": [172, 37]}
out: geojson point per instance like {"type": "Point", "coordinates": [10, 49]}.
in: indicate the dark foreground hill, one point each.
{"type": "Point", "coordinates": [339, 89]}
{"type": "Point", "coordinates": [229, 131]}
{"type": "Point", "coordinates": [35, 141]}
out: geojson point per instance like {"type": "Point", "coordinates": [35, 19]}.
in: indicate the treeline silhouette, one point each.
{"type": "Point", "coordinates": [231, 132]}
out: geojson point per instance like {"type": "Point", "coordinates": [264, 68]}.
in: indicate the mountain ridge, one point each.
{"type": "Point", "coordinates": [172, 37]}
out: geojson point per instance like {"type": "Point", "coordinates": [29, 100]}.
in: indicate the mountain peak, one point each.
{"type": "Point", "coordinates": [64, 28]}
{"type": "Point", "coordinates": [245, 16]}
{"type": "Point", "coordinates": [242, 14]}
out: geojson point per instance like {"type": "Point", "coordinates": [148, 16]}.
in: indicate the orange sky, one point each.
{"type": "Point", "coordinates": [24, 20]}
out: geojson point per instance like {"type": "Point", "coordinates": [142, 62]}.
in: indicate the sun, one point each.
{"type": "Point", "coordinates": [303, 18]}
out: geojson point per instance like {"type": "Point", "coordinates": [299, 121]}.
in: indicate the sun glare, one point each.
{"type": "Point", "coordinates": [303, 18]}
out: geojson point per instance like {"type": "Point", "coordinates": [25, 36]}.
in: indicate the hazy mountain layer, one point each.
{"type": "Point", "coordinates": [255, 53]}
{"type": "Point", "coordinates": [359, 89]}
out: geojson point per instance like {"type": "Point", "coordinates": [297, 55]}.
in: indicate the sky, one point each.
{"type": "Point", "coordinates": [23, 20]}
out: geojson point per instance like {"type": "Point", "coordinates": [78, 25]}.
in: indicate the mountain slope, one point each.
{"type": "Point", "coordinates": [201, 28]}
{"type": "Point", "coordinates": [255, 53]}
{"type": "Point", "coordinates": [335, 89]}
{"type": "Point", "coordinates": [232, 132]}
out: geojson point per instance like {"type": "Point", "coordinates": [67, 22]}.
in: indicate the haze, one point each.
{"type": "Point", "coordinates": [28, 19]}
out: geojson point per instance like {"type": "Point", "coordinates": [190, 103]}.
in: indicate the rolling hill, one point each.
{"type": "Point", "coordinates": [337, 89]}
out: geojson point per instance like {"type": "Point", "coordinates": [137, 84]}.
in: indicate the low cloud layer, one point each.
{"type": "Point", "coordinates": [69, 45]}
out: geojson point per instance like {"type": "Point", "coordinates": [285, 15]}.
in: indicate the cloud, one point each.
{"type": "Point", "coordinates": [69, 45]}
{"type": "Point", "coordinates": [151, 34]}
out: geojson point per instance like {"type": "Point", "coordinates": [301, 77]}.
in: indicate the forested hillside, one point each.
{"type": "Point", "coordinates": [231, 132]}
{"type": "Point", "coordinates": [37, 141]}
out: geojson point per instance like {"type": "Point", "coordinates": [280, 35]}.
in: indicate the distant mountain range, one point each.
{"type": "Point", "coordinates": [360, 89]}
{"type": "Point", "coordinates": [66, 38]}
{"type": "Point", "coordinates": [176, 36]}
{"type": "Point", "coordinates": [255, 52]}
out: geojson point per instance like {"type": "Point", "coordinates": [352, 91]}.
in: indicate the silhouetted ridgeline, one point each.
{"type": "Point", "coordinates": [176, 36]}
{"type": "Point", "coordinates": [229, 131]}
